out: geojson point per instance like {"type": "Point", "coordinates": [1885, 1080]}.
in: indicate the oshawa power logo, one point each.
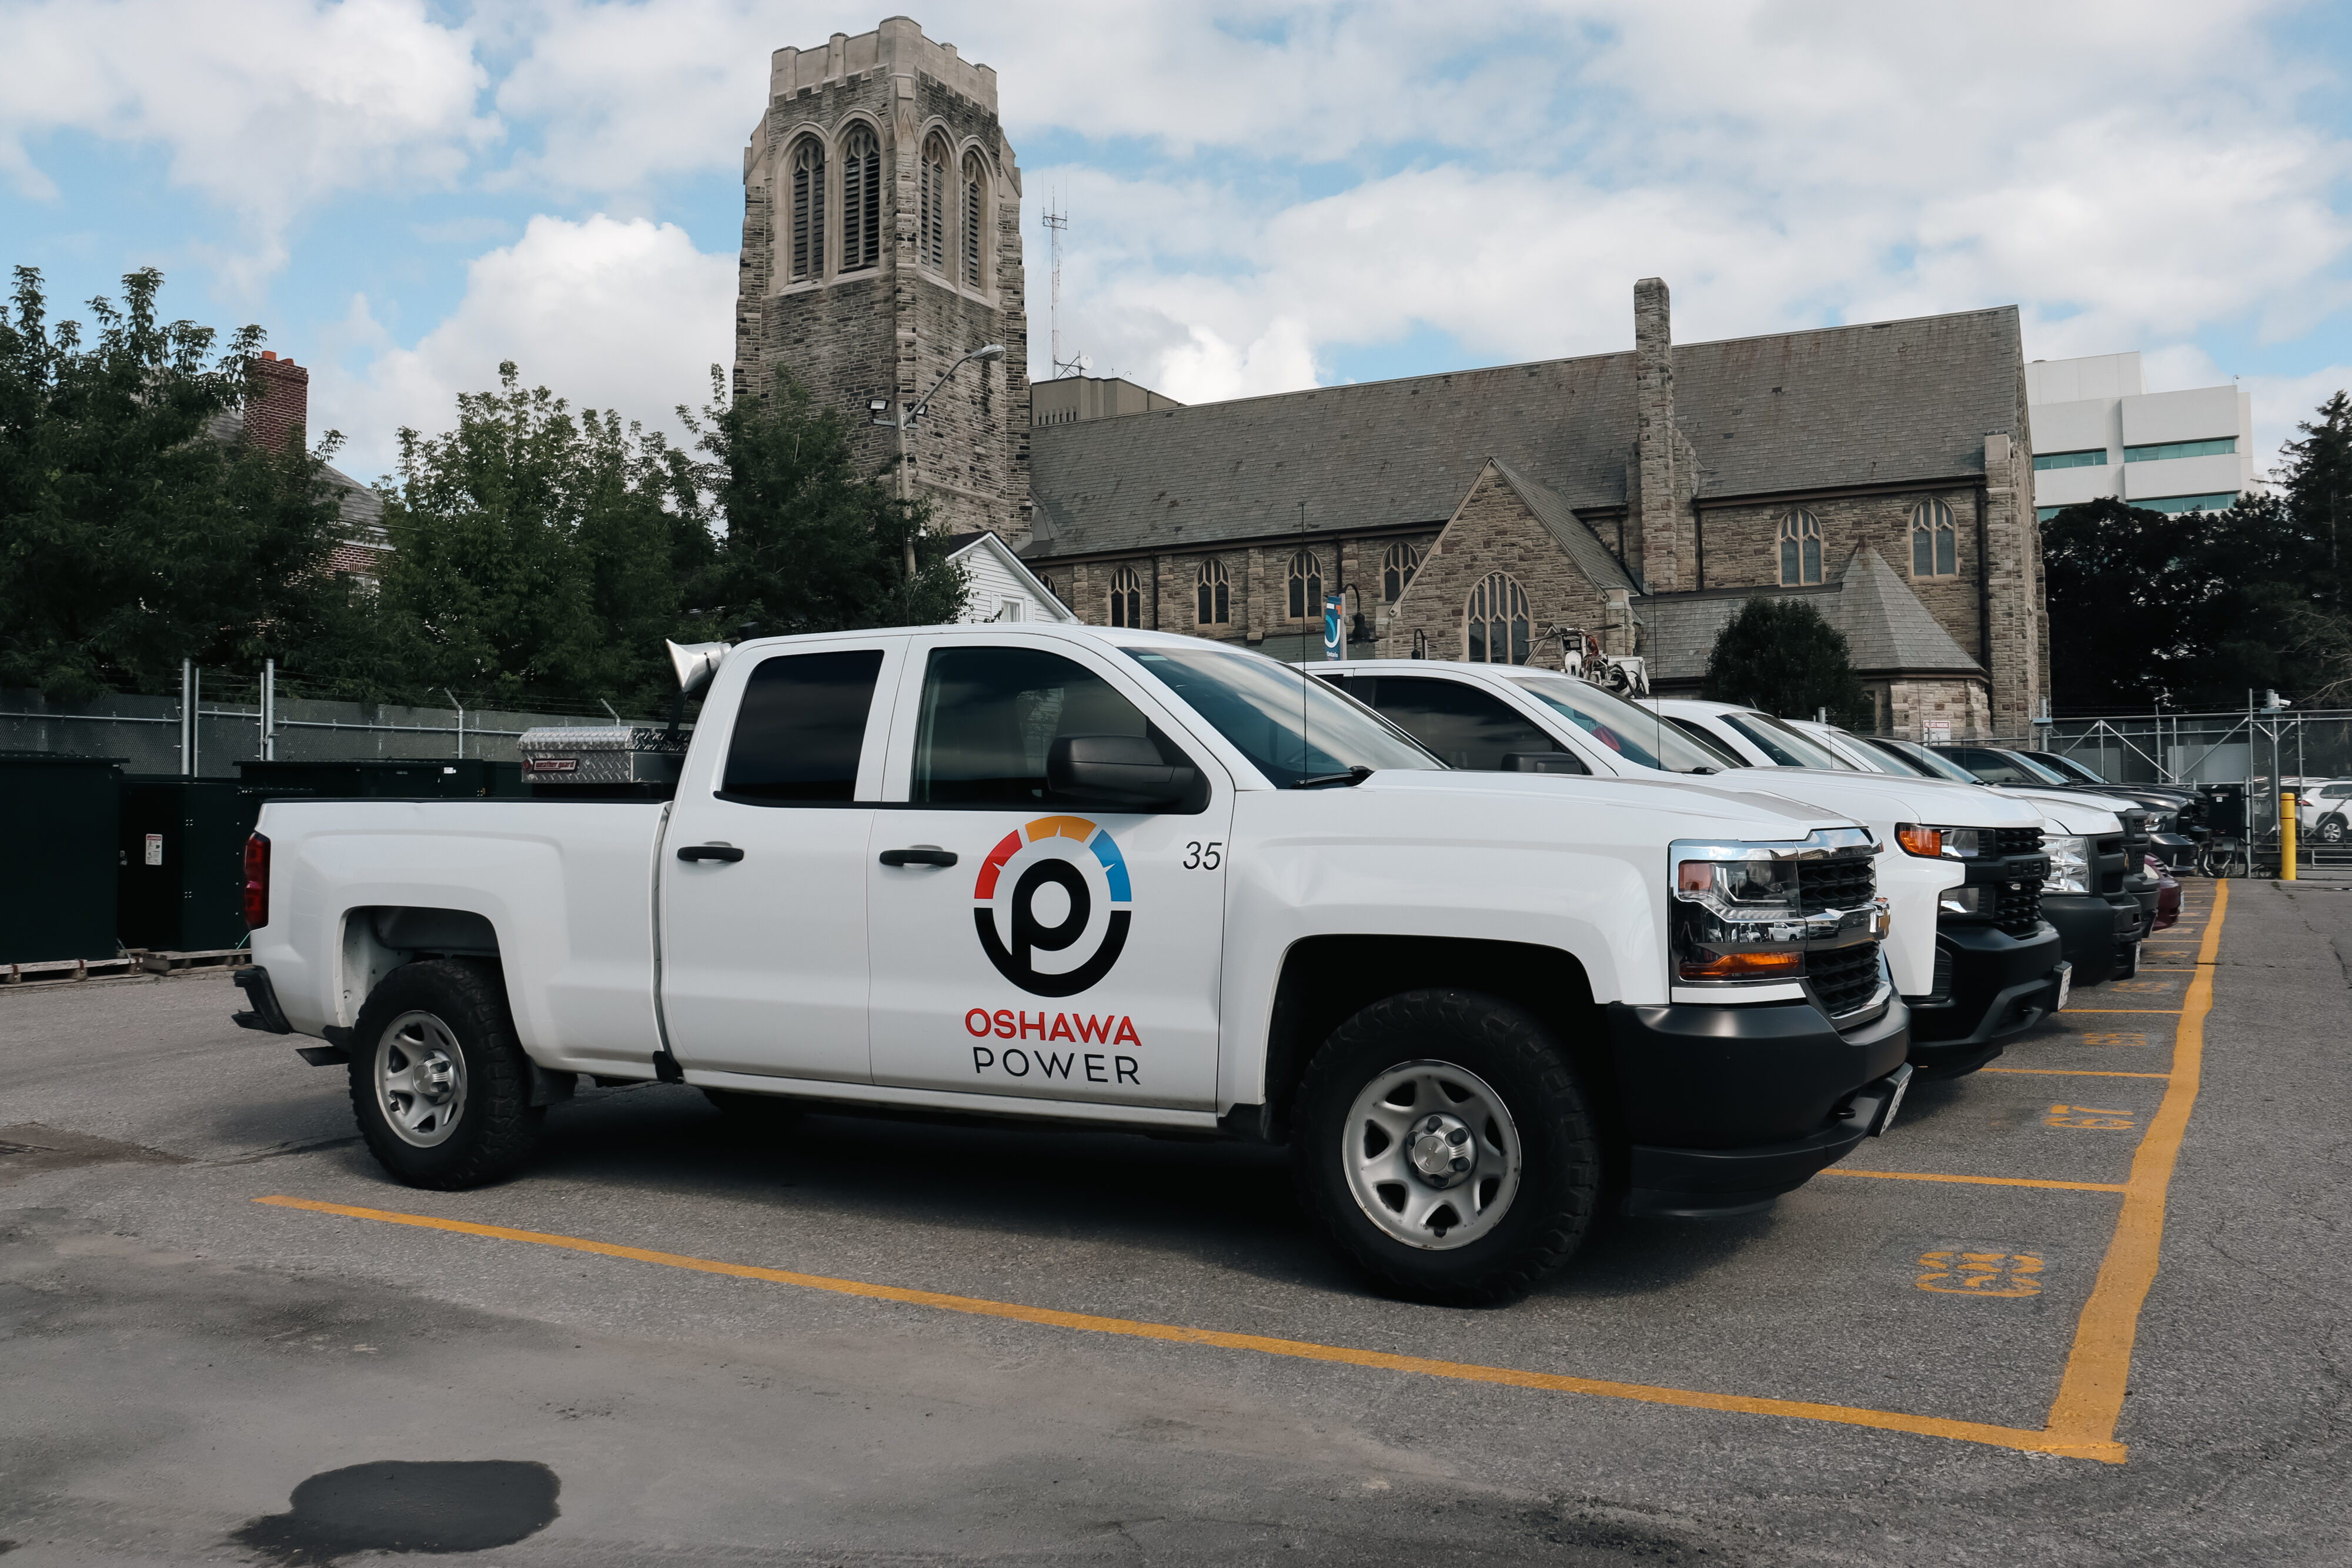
{"type": "Point", "coordinates": [1054, 886]}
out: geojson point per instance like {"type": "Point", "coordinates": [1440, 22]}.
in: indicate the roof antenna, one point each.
{"type": "Point", "coordinates": [1056, 224]}
{"type": "Point", "coordinates": [1303, 677]}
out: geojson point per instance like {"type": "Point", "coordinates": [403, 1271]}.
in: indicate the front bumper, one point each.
{"type": "Point", "coordinates": [1990, 985]}
{"type": "Point", "coordinates": [2099, 935]}
{"type": "Point", "coordinates": [1726, 1108]}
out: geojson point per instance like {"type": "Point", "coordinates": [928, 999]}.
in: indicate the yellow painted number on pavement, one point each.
{"type": "Point", "coordinates": [1982, 1273]}
{"type": "Point", "coordinates": [2089, 1116]}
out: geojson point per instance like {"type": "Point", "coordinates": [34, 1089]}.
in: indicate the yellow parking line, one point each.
{"type": "Point", "coordinates": [2167, 1012]}
{"type": "Point", "coordinates": [1303, 1350]}
{"type": "Point", "coordinates": [1980, 1181]}
{"type": "Point", "coordinates": [2098, 1369]}
{"type": "Point", "coordinates": [2074, 1072]}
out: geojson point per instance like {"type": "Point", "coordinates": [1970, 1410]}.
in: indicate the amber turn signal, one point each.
{"type": "Point", "coordinates": [1927, 842]}
{"type": "Point", "coordinates": [1743, 966]}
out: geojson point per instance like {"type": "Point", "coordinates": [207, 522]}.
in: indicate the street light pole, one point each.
{"type": "Point", "coordinates": [903, 417]}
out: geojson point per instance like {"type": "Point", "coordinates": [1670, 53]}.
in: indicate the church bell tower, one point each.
{"type": "Point", "coordinates": [881, 244]}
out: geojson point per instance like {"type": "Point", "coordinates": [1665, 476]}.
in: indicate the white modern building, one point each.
{"type": "Point", "coordinates": [2097, 431]}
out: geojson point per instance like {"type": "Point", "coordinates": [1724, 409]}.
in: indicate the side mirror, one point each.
{"type": "Point", "coordinates": [1543, 762]}
{"type": "Point", "coordinates": [1125, 770]}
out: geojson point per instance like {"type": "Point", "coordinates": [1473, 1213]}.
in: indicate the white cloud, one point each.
{"type": "Point", "coordinates": [611, 314]}
{"type": "Point", "coordinates": [268, 107]}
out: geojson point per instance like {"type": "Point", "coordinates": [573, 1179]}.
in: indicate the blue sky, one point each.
{"type": "Point", "coordinates": [1262, 196]}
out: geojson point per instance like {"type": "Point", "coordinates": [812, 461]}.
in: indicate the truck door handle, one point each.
{"type": "Point", "coordinates": [726, 852]}
{"type": "Point", "coordinates": [921, 854]}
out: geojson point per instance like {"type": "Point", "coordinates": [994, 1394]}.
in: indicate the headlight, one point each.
{"type": "Point", "coordinates": [1931, 842]}
{"type": "Point", "coordinates": [2163, 823]}
{"type": "Point", "coordinates": [1736, 914]}
{"type": "Point", "coordinates": [2070, 863]}
{"type": "Point", "coordinates": [1965, 901]}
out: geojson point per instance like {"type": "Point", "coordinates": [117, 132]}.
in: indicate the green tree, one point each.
{"type": "Point", "coordinates": [137, 527]}
{"type": "Point", "coordinates": [811, 543]}
{"type": "Point", "coordinates": [1780, 656]}
{"type": "Point", "coordinates": [539, 556]}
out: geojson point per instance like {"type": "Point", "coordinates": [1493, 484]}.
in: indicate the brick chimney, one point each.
{"type": "Point", "coordinates": [1653, 419]}
{"type": "Point", "coordinates": [277, 402]}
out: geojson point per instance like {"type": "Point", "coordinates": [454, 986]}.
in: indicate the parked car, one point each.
{"type": "Point", "coordinates": [2090, 897]}
{"type": "Point", "coordinates": [1972, 976]}
{"type": "Point", "coordinates": [2321, 810]}
{"type": "Point", "coordinates": [2172, 813]}
{"type": "Point", "coordinates": [1984, 963]}
{"type": "Point", "coordinates": [1114, 879]}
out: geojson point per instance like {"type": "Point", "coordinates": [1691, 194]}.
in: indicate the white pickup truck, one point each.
{"type": "Point", "coordinates": [1124, 879]}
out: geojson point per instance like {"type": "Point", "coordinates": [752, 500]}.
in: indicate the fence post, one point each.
{"type": "Point", "coordinates": [188, 683]}
{"type": "Point", "coordinates": [270, 710]}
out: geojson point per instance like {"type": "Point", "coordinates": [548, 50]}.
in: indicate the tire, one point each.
{"type": "Point", "coordinates": [754, 1116]}
{"type": "Point", "coordinates": [440, 1086]}
{"type": "Point", "coordinates": [2331, 830]}
{"type": "Point", "coordinates": [1535, 1167]}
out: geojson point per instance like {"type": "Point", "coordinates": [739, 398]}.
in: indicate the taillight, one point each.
{"type": "Point", "coordinates": [256, 881]}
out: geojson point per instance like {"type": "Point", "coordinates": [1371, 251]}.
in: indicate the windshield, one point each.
{"type": "Point", "coordinates": [1931, 764]}
{"type": "Point", "coordinates": [1291, 728]}
{"type": "Point", "coordinates": [1709, 741]}
{"type": "Point", "coordinates": [1849, 747]}
{"type": "Point", "coordinates": [2035, 769]}
{"type": "Point", "coordinates": [1784, 746]}
{"type": "Point", "coordinates": [2075, 771]}
{"type": "Point", "coordinates": [1635, 733]}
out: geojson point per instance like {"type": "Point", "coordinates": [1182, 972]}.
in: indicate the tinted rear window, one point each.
{"type": "Point", "coordinates": [801, 728]}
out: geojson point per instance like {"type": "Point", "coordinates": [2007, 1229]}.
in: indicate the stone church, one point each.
{"type": "Point", "coordinates": [1881, 472]}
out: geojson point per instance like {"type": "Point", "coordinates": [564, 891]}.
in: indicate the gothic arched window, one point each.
{"type": "Point", "coordinates": [1495, 622]}
{"type": "Point", "coordinates": [861, 199]}
{"type": "Point", "coordinates": [1801, 549]}
{"type": "Point", "coordinates": [807, 214]}
{"type": "Point", "coordinates": [1306, 586]}
{"type": "Point", "coordinates": [1934, 541]}
{"type": "Point", "coordinates": [1397, 566]}
{"type": "Point", "coordinates": [975, 212]}
{"type": "Point", "coordinates": [1216, 607]}
{"type": "Point", "coordinates": [1126, 598]}
{"type": "Point", "coordinates": [931, 234]}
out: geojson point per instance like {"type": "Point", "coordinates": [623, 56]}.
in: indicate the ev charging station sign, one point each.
{"type": "Point", "coordinates": [1335, 627]}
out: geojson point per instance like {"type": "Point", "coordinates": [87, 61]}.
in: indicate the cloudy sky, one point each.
{"type": "Point", "coordinates": [1260, 196]}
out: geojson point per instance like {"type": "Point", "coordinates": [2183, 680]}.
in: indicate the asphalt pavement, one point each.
{"type": "Point", "coordinates": [950, 1344]}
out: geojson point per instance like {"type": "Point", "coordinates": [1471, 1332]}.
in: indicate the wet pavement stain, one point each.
{"type": "Point", "coordinates": [398, 1505]}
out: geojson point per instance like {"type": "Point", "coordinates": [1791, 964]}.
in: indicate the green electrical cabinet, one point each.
{"type": "Point", "coordinates": [62, 813]}
{"type": "Point", "coordinates": [181, 881]}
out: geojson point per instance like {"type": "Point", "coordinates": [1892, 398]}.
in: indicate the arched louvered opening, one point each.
{"type": "Point", "coordinates": [931, 232]}
{"type": "Point", "coordinates": [1494, 628]}
{"type": "Point", "coordinates": [861, 199]}
{"type": "Point", "coordinates": [973, 226]}
{"type": "Point", "coordinates": [806, 199]}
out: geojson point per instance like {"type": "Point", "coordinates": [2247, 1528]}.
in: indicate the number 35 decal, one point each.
{"type": "Point", "coordinates": [1204, 857]}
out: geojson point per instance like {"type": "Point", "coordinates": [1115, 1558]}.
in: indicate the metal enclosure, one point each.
{"type": "Point", "coordinates": [181, 874]}
{"type": "Point", "coordinates": [60, 858]}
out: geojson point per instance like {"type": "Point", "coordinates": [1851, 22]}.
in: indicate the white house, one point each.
{"type": "Point", "coordinates": [1002, 589]}
{"type": "Point", "coordinates": [2097, 431]}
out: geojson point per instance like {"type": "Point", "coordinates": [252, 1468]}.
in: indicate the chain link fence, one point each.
{"type": "Point", "coordinates": [150, 735]}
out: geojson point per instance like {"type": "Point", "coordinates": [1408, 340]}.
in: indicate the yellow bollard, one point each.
{"type": "Point", "coordinates": [2286, 835]}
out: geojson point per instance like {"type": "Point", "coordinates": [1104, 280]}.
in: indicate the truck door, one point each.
{"type": "Point", "coordinates": [763, 867]}
{"type": "Point", "coordinates": [1034, 941]}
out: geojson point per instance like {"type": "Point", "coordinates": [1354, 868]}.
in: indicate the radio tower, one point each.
{"type": "Point", "coordinates": [1055, 223]}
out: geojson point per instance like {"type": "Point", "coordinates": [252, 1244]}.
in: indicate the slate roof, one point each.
{"type": "Point", "coordinates": [1574, 535]}
{"type": "Point", "coordinates": [1886, 626]}
{"type": "Point", "coordinates": [1793, 411]}
{"type": "Point", "coordinates": [360, 508]}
